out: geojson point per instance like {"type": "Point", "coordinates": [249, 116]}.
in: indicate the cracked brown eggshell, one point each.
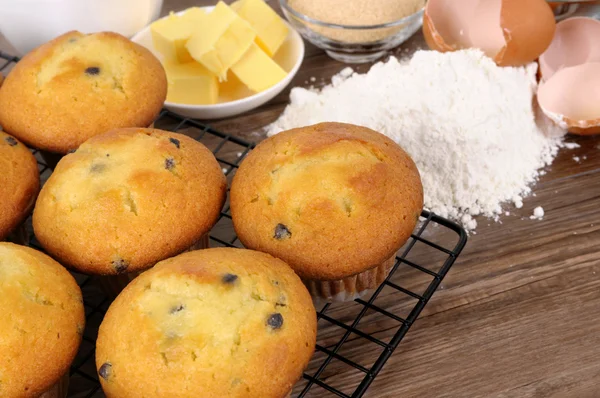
{"type": "Point", "coordinates": [571, 98]}
{"type": "Point", "coordinates": [512, 32]}
{"type": "Point", "coordinates": [576, 42]}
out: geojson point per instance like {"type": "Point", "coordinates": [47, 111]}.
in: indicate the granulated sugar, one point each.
{"type": "Point", "coordinates": [468, 124]}
{"type": "Point", "coordinates": [356, 13]}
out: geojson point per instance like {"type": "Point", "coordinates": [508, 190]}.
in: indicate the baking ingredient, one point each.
{"type": "Point", "coordinates": [191, 83]}
{"type": "Point", "coordinates": [469, 125]}
{"type": "Point", "coordinates": [512, 32]}
{"type": "Point", "coordinates": [233, 89]}
{"type": "Point", "coordinates": [538, 213]}
{"type": "Point", "coordinates": [200, 47]}
{"type": "Point", "coordinates": [356, 13]}
{"type": "Point", "coordinates": [222, 41]}
{"type": "Point", "coordinates": [270, 29]}
{"type": "Point", "coordinates": [576, 42]}
{"type": "Point", "coordinates": [169, 36]}
{"type": "Point", "coordinates": [571, 98]}
{"type": "Point", "coordinates": [257, 71]}
{"type": "Point", "coordinates": [195, 16]}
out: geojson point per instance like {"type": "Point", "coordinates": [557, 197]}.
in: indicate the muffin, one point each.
{"type": "Point", "coordinates": [213, 323]}
{"type": "Point", "coordinates": [19, 186]}
{"type": "Point", "coordinates": [127, 199]}
{"type": "Point", "coordinates": [41, 324]}
{"type": "Point", "coordinates": [78, 86]}
{"type": "Point", "coordinates": [335, 201]}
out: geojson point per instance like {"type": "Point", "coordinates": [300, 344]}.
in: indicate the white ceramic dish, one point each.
{"type": "Point", "coordinates": [27, 24]}
{"type": "Point", "coordinates": [289, 57]}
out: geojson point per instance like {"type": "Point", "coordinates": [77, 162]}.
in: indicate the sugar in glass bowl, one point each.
{"type": "Point", "coordinates": [353, 43]}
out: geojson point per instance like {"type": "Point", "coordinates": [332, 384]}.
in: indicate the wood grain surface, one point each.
{"type": "Point", "coordinates": [519, 313]}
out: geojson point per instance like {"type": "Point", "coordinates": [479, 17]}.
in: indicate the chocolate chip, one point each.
{"type": "Point", "coordinates": [120, 265]}
{"type": "Point", "coordinates": [229, 278]}
{"type": "Point", "coordinates": [175, 142]}
{"type": "Point", "coordinates": [176, 309]}
{"type": "Point", "coordinates": [97, 168]}
{"type": "Point", "coordinates": [105, 370]}
{"type": "Point", "coordinates": [275, 321]}
{"type": "Point", "coordinates": [11, 141]}
{"type": "Point", "coordinates": [282, 232]}
{"type": "Point", "coordinates": [92, 70]}
{"type": "Point", "coordinates": [169, 163]}
{"type": "Point", "coordinates": [108, 155]}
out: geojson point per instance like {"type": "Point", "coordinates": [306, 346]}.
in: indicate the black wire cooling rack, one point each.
{"type": "Point", "coordinates": [354, 340]}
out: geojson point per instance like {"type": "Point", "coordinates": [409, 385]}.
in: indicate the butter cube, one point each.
{"type": "Point", "coordinates": [170, 35]}
{"type": "Point", "coordinates": [233, 89]}
{"type": "Point", "coordinates": [222, 41]}
{"type": "Point", "coordinates": [191, 83]}
{"type": "Point", "coordinates": [270, 29]}
{"type": "Point", "coordinates": [194, 15]}
{"type": "Point", "coordinates": [257, 70]}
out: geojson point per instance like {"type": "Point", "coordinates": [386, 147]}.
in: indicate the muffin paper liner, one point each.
{"type": "Point", "coordinates": [112, 285]}
{"type": "Point", "coordinates": [58, 390]}
{"type": "Point", "coordinates": [349, 288]}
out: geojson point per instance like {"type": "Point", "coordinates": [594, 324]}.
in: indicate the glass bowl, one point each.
{"type": "Point", "coordinates": [353, 43]}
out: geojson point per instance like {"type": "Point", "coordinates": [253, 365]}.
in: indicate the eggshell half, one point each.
{"type": "Point", "coordinates": [576, 41]}
{"type": "Point", "coordinates": [571, 98]}
{"type": "Point", "coordinates": [512, 32]}
{"type": "Point", "coordinates": [445, 24]}
{"type": "Point", "coordinates": [528, 27]}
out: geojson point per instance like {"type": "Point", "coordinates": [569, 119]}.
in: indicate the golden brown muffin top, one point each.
{"type": "Point", "coordinates": [77, 86]}
{"type": "Point", "coordinates": [41, 321]}
{"type": "Point", "coordinates": [210, 323]}
{"type": "Point", "coordinates": [332, 200]}
{"type": "Point", "coordinates": [128, 199]}
{"type": "Point", "coordinates": [19, 183]}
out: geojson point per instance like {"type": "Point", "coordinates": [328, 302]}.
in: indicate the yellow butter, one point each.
{"type": "Point", "coordinates": [194, 15]}
{"type": "Point", "coordinates": [233, 89]}
{"type": "Point", "coordinates": [169, 36]}
{"type": "Point", "coordinates": [191, 83]}
{"type": "Point", "coordinates": [257, 70]}
{"type": "Point", "coordinates": [271, 30]}
{"type": "Point", "coordinates": [222, 41]}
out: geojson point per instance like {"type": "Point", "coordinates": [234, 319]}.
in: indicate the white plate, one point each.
{"type": "Point", "coordinates": [289, 57]}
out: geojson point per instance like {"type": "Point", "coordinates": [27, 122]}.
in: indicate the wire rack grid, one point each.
{"type": "Point", "coordinates": [354, 340]}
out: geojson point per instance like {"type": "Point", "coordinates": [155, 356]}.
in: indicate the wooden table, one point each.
{"type": "Point", "coordinates": [519, 313]}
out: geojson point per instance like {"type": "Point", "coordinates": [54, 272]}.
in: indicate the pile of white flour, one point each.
{"type": "Point", "coordinates": [469, 125]}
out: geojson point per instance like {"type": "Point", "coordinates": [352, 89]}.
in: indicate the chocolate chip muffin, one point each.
{"type": "Point", "coordinates": [127, 199]}
{"type": "Point", "coordinates": [212, 323]}
{"type": "Point", "coordinates": [19, 185]}
{"type": "Point", "coordinates": [333, 200]}
{"type": "Point", "coordinates": [77, 86]}
{"type": "Point", "coordinates": [41, 323]}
